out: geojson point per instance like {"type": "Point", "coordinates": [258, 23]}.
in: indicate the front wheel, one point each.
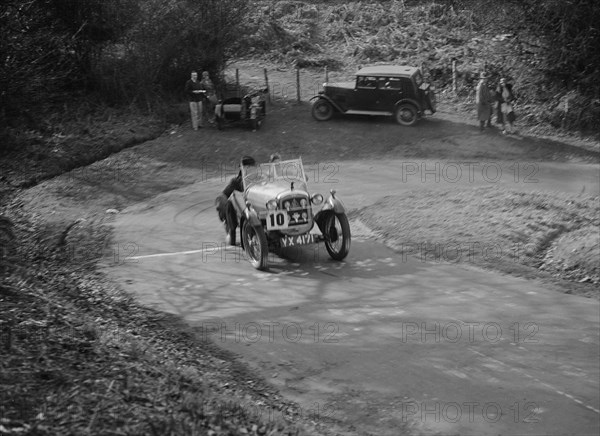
{"type": "Point", "coordinates": [406, 115]}
{"type": "Point", "coordinates": [322, 110]}
{"type": "Point", "coordinates": [255, 245]}
{"type": "Point", "coordinates": [337, 235]}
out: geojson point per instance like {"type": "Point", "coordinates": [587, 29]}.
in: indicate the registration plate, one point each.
{"type": "Point", "coordinates": [292, 241]}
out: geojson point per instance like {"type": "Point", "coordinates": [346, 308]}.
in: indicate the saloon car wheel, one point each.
{"type": "Point", "coordinates": [255, 245]}
{"type": "Point", "coordinates": [406, 115]}
{"type": "Point", "coordinates": [322, 110]}
{"type": "Point", "coordinates": [337, 236]}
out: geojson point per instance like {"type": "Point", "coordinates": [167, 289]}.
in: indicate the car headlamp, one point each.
{"type": "Point", "coordinates": [272, 204]}
{"type": "Point", "coordinates": [316, 199]}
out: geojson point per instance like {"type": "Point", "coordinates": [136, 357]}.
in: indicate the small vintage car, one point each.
{"type": "Point", "coordinates": [250, 109]}
{"type": "Point", "coordinates": [391, 90]}
{"type": "Point", "coordinates": [277, 210]}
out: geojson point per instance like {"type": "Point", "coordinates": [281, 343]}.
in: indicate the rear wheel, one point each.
{"type": "Point", "coordinates": [322, 110]}
{"type": "Point", "coordinates": [406, 115]}
{"type": "Point", "coordinates": [256, 246]}
{"type": "Point", "coordinates": [337, 235]}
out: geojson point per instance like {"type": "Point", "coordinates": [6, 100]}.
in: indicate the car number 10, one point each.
{"type": "Point", "coordinates": [277, 220]}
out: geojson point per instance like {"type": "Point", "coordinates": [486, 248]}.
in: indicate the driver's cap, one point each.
{"type": "Point", "coordinates": [248, 161]}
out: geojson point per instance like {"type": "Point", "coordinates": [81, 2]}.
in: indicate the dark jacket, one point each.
{"type": "Point", "coordinates": [190, 86]}
{"type": "Point", "coordinates": [235, 184]}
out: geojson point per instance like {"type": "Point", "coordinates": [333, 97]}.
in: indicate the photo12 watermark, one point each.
{"type": "Point", "coordinates": [220, 252]}
{"type": "Point", "coordinates": [289, 171]}
{"type": "Point", "coordinates": [525, 412]}
{"type": "Point", "coordinates": [468, 331]}
{"type": "Point", "coordinates": [270, 332]}
{"type": "Point", "coordinates": [465, 251]}
{"type": "Point", "coordinates": [468, 172]}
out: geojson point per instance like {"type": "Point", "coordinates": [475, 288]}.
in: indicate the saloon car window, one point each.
{"type": "Point", "coordinates": [389, 83]}
{"type": "Point", "coordinates": [367, 82]}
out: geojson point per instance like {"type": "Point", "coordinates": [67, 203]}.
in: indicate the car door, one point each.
{"type": "Point", "coordinates": [389, 92]}
{"type": "Point", "coordinates": [364, 96]}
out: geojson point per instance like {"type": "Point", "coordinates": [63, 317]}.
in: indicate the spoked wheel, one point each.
{"type": "Point", "coordinates": [337, 236]}
{"type": "Point", "coordinates": [322, 110]}
{"type": "Point", "coordinates": [406, 115]}
{"type": "Point", "coordinates": [255, 245]}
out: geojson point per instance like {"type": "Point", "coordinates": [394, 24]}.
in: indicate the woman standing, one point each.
{"type": "Point", "coordinates": [211, 96]}
{"type": "Point", "coordinates": [505, 110]}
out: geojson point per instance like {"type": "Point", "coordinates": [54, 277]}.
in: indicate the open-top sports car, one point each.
{"type": "Point", "coordinates": [276, 210]}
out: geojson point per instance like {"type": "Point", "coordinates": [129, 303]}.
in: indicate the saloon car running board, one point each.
{"type": "Point", "coordinates": [353, 112]}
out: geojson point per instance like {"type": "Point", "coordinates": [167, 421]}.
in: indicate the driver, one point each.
{"type": "Point", "coordinates": [225, 209]}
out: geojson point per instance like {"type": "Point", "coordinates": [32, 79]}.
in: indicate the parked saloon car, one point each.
{"type": "Point", "coordinates": [378, 90]}
{"type": "Point", "coordinates": [277, 210]}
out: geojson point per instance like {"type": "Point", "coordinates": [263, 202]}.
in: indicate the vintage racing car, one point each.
{"type": "Point", "coordinates": [276, 210]}
{"type": "Point", "coordinates": [250, 109]}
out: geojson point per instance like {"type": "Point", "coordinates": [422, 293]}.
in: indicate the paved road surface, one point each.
{"type": "Point", "coordinates": [382, 341]}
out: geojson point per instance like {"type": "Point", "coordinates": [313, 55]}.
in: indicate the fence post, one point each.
{"type": "Point", "coordinates": [326, 74]}
{"type": "Point", "coordinates": [268, 88]}
{"type": "Point", "coordinates": [298, 84]}
{"type": "Point", "coordinates": [454, 76]}
{"type": "Point", "coordinates": [237, 81]}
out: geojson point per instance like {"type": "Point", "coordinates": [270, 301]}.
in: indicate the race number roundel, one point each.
{"type": "Point", "coordinates": [277, 220]}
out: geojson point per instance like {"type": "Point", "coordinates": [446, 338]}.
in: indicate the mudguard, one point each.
{"type": "Point", "coordinates": [329, 100]}
{"type": "Point", "coordinates": [334, 204]}
{"type": "Point", "coordinates": [409, 101]}
{"type": "Point", "coordinates": [331, 205]}
{"type": "Point", "coordinates": [251, 216]}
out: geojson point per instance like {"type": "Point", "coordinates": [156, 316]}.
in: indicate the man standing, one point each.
{"type": "Point", "coordinates": [225, 210]}
{"type": "Point", "coordinates": [195, 92]}
{"type": "Point", "coordinates": [484, 100]}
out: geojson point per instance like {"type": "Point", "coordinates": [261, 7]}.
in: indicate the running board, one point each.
{"type": "Point", "coordinates": [353, 112]}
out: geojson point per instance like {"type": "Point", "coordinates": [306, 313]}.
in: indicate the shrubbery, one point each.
{"type": "Point", "coordinates": [115, 51]}
{"type": "Point", "coordinates": [138, 51]}
{"type": "Point", "coordinates": [549, 48]}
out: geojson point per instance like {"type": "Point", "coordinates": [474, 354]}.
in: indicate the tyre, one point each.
{"type": "Point", "coordinates": [255, 245]}
{"type": "Point", "coordinates": [322, 110]}
{"type": "Point", "coordinates": [406, 115]}
{"type": "Point", "coordinates": [337, 236]}
{"type": "Point", "coordinates": [231, 236]}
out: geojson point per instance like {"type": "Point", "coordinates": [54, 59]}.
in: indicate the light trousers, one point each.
{"type": "Point", "coordinates": [196, 113]}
